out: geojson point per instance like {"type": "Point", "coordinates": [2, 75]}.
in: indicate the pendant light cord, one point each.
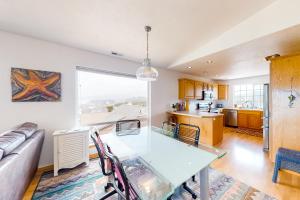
{"type": "Point", "coordinates": [147, 44]}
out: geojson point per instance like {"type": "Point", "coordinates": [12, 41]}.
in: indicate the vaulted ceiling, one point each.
{"type": "Point", "coordinates": [102, 26]}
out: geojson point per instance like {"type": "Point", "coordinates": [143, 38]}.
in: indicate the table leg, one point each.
{"type": "Point", "coordinates": [204, 184]}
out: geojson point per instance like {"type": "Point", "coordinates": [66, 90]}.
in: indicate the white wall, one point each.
{"type": "Point", "coordinates": [25, 52]}
{"type": "Point", "coordinates": [250, 80]}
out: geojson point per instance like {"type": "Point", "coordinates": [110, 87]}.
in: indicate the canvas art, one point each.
{"type": "Point", "coordinates": [34, 85]}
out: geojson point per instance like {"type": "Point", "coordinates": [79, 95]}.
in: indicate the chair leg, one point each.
{"type": "Point", "coordinates": [276, 169]}
{"type": "Point", "coordinates": [189, 190]}
{"type": "Point", "coordinates": [108, 185]}
{"type": "Point", "coordinates": [108, 195]}
{"type": "Point", "coordinates": [194, 178]}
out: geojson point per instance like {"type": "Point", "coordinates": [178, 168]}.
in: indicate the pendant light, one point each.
{"type": "Point", "coordinates": [146, 72]}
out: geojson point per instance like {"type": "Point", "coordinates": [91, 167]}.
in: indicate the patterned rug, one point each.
{"type": "Point", "coordinates": [87, 183]}
{"type": "Point", "coordinates": [247, 131]}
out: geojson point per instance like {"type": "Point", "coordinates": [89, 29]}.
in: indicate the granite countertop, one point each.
{"type": "Point", "coordinates": [196, 114]}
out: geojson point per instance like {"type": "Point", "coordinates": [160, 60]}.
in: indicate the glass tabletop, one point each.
{"type": "Point", "coordinates": [173, 162]}
{"type": "Point", "coordinates": [217, 151]}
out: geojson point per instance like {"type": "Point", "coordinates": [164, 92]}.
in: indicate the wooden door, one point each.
{"type": "Point", "coordinates": [189, 89]}
{"type": "Point", "coordinates": [242, 120]}
{"type": "Point", "coordinates": [222, 92]}
{"type": "Point", "coordinates": [284, 121]}
{"type": "Point", "coordinates": [198, 90]}
{"type": "Point", "coordinates": [254, 120]}
{"type": "Point", "coordinates": [215, 91]}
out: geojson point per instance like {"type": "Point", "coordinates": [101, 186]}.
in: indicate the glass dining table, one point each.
{"type": "Point", "coordinates": [156, 164]}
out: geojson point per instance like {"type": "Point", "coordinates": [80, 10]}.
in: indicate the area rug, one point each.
{"type": "Point", "coordinates": [247, 131]}
{"type": "Point", "coordinates": [87, 182]}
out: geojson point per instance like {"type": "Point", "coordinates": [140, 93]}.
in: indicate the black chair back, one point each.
{"type": "Point", "coordinates": [169, 128]}
{"type": "Point", "coordinates": [128, 124]}
{"type": "Point", "coordinates": [120, 181]}
{"type": "Point", "coordinates": [188, 133]}
{"type": "Point", "coordinates": [100, 150]}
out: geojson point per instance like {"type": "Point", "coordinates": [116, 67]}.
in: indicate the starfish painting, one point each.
{"type": "Point", "coordinates": [35, 85]}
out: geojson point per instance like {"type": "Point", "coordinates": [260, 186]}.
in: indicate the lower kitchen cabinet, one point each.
{"type": "Point", "coordinates": [250, 119]}
{"type": "Point", "coordinates": [242, 120]}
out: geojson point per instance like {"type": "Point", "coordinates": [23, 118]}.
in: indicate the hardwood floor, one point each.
{"type": "Point", "coordinates": [244, 161]}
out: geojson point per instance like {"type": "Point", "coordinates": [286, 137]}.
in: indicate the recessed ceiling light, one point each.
{"type": "Point", "coordinates": [189, 67]}
{"type": "Point", "coordinates": [209, 62]}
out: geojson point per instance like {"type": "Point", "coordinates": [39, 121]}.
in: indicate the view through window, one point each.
{"type": "Point", "coordinates": [106, 97]}
{"type": "Point", "coordinates": [248, 96]}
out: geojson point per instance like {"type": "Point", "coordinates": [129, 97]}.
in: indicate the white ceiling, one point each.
{"type": "Point", "coordinates": [247, 59]}
{"type": "Point", "coordinates": [103, 26]}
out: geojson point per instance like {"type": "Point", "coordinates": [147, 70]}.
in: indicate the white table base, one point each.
{"type": "Point", "coordinates": [204, 195]}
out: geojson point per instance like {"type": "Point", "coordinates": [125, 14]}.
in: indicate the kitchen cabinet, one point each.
{"type": "Point", "coordinates": [222, 92]}
{"type": "Point", "coordinates": [186, 89]}
{"type": "Point", "coordinates": [242, 120]}
{"type": "Point", "coordinates": [199, 90]}
{"type": "Point", "coordinates": [250, 119]}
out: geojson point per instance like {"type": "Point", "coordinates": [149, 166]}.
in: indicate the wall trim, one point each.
{"type": "Point", "coordinates": [48, 168]}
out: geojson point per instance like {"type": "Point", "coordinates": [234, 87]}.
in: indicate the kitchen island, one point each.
{"type": "Point", "coordinates": [210, 124]}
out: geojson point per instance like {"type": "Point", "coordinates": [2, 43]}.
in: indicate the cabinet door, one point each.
{"type": "Point", "coordinates": [222, 92]}
{"type": "Point", "coordinates": [198, 90]}
{"type": "Point", "coordinates": [215, 91]}
{"type": "Point", "coordinates": [254, 121]}
{"type": "Point", "coordinates": [189, 89]}
{"type": "Point", "coordinates": [242, 120]}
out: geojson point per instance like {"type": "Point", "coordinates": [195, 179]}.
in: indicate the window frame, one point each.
{"type": "Point", "coordinates": [112, 73]}
{"type": "Point", "coordinates": [249, 94]}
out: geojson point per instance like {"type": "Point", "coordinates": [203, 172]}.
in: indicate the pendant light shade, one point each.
{"type": "Point", "coordinates": [146, 72]}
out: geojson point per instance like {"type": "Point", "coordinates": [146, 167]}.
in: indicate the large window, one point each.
{"type": "Point", "coordinates": [249, 95]}
{"type": "Point", "coordinates": [104, 97]}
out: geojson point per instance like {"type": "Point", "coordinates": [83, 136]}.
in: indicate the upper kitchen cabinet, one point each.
{"type": "Point", "coordinates": [199, 90]}
{"type": "Point", "coordinates": [186, 89]}
{"type": "Point", "coordinates": [222, 92]}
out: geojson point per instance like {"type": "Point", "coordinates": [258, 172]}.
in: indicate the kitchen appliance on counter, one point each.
{"type": "Point", "coordinates": [219, 105]}
{"type": "Point", "coordinates": [231, 116]}
{"type": "Point", "coordinates": [266, 117]}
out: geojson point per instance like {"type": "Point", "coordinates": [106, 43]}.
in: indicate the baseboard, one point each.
{"type": "Point", "coordinates": [48, 168]}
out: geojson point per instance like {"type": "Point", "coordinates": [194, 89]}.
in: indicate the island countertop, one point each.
{"type": "Point", "coordinates": [196, 114]}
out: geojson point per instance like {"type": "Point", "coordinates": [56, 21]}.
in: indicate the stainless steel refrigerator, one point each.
{"type": "Point", "coordinates": [266, 116]}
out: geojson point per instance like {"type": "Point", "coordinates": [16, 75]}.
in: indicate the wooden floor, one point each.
{"type": "Point", "coordinates": [246, 162]}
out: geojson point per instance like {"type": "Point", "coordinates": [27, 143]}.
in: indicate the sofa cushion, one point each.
{"type": "Point", "coordinates": [27, 129]}
{"type": "Point", "coordinates": [10, 141]}
{"type": "Point", "coordinates": [1, 154]}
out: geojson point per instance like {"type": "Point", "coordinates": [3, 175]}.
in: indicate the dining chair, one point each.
{"type": "Point", "coordinates": [104, 164]}
{"type": "Point", "coordinates": [169, 128]}
{"type": "Point", "coordinates": [189, 134]}
{"type": "Point", "coordinates": [128, 124]}
{"type": "Point", "coordinates": [120, 181]}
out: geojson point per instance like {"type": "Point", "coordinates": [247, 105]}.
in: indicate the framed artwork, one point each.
{"type": "Point", "coordinates": [34, 85]}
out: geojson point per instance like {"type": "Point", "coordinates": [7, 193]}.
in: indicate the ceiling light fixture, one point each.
{"type": "Point", "coordinates": [189, 67]}
{"type": "Point", "coordinates": [146, 72]}
{"type": "Point", "coordinates": [209, 62]}
{"type": "Point", "coordinates": [268, 58]}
